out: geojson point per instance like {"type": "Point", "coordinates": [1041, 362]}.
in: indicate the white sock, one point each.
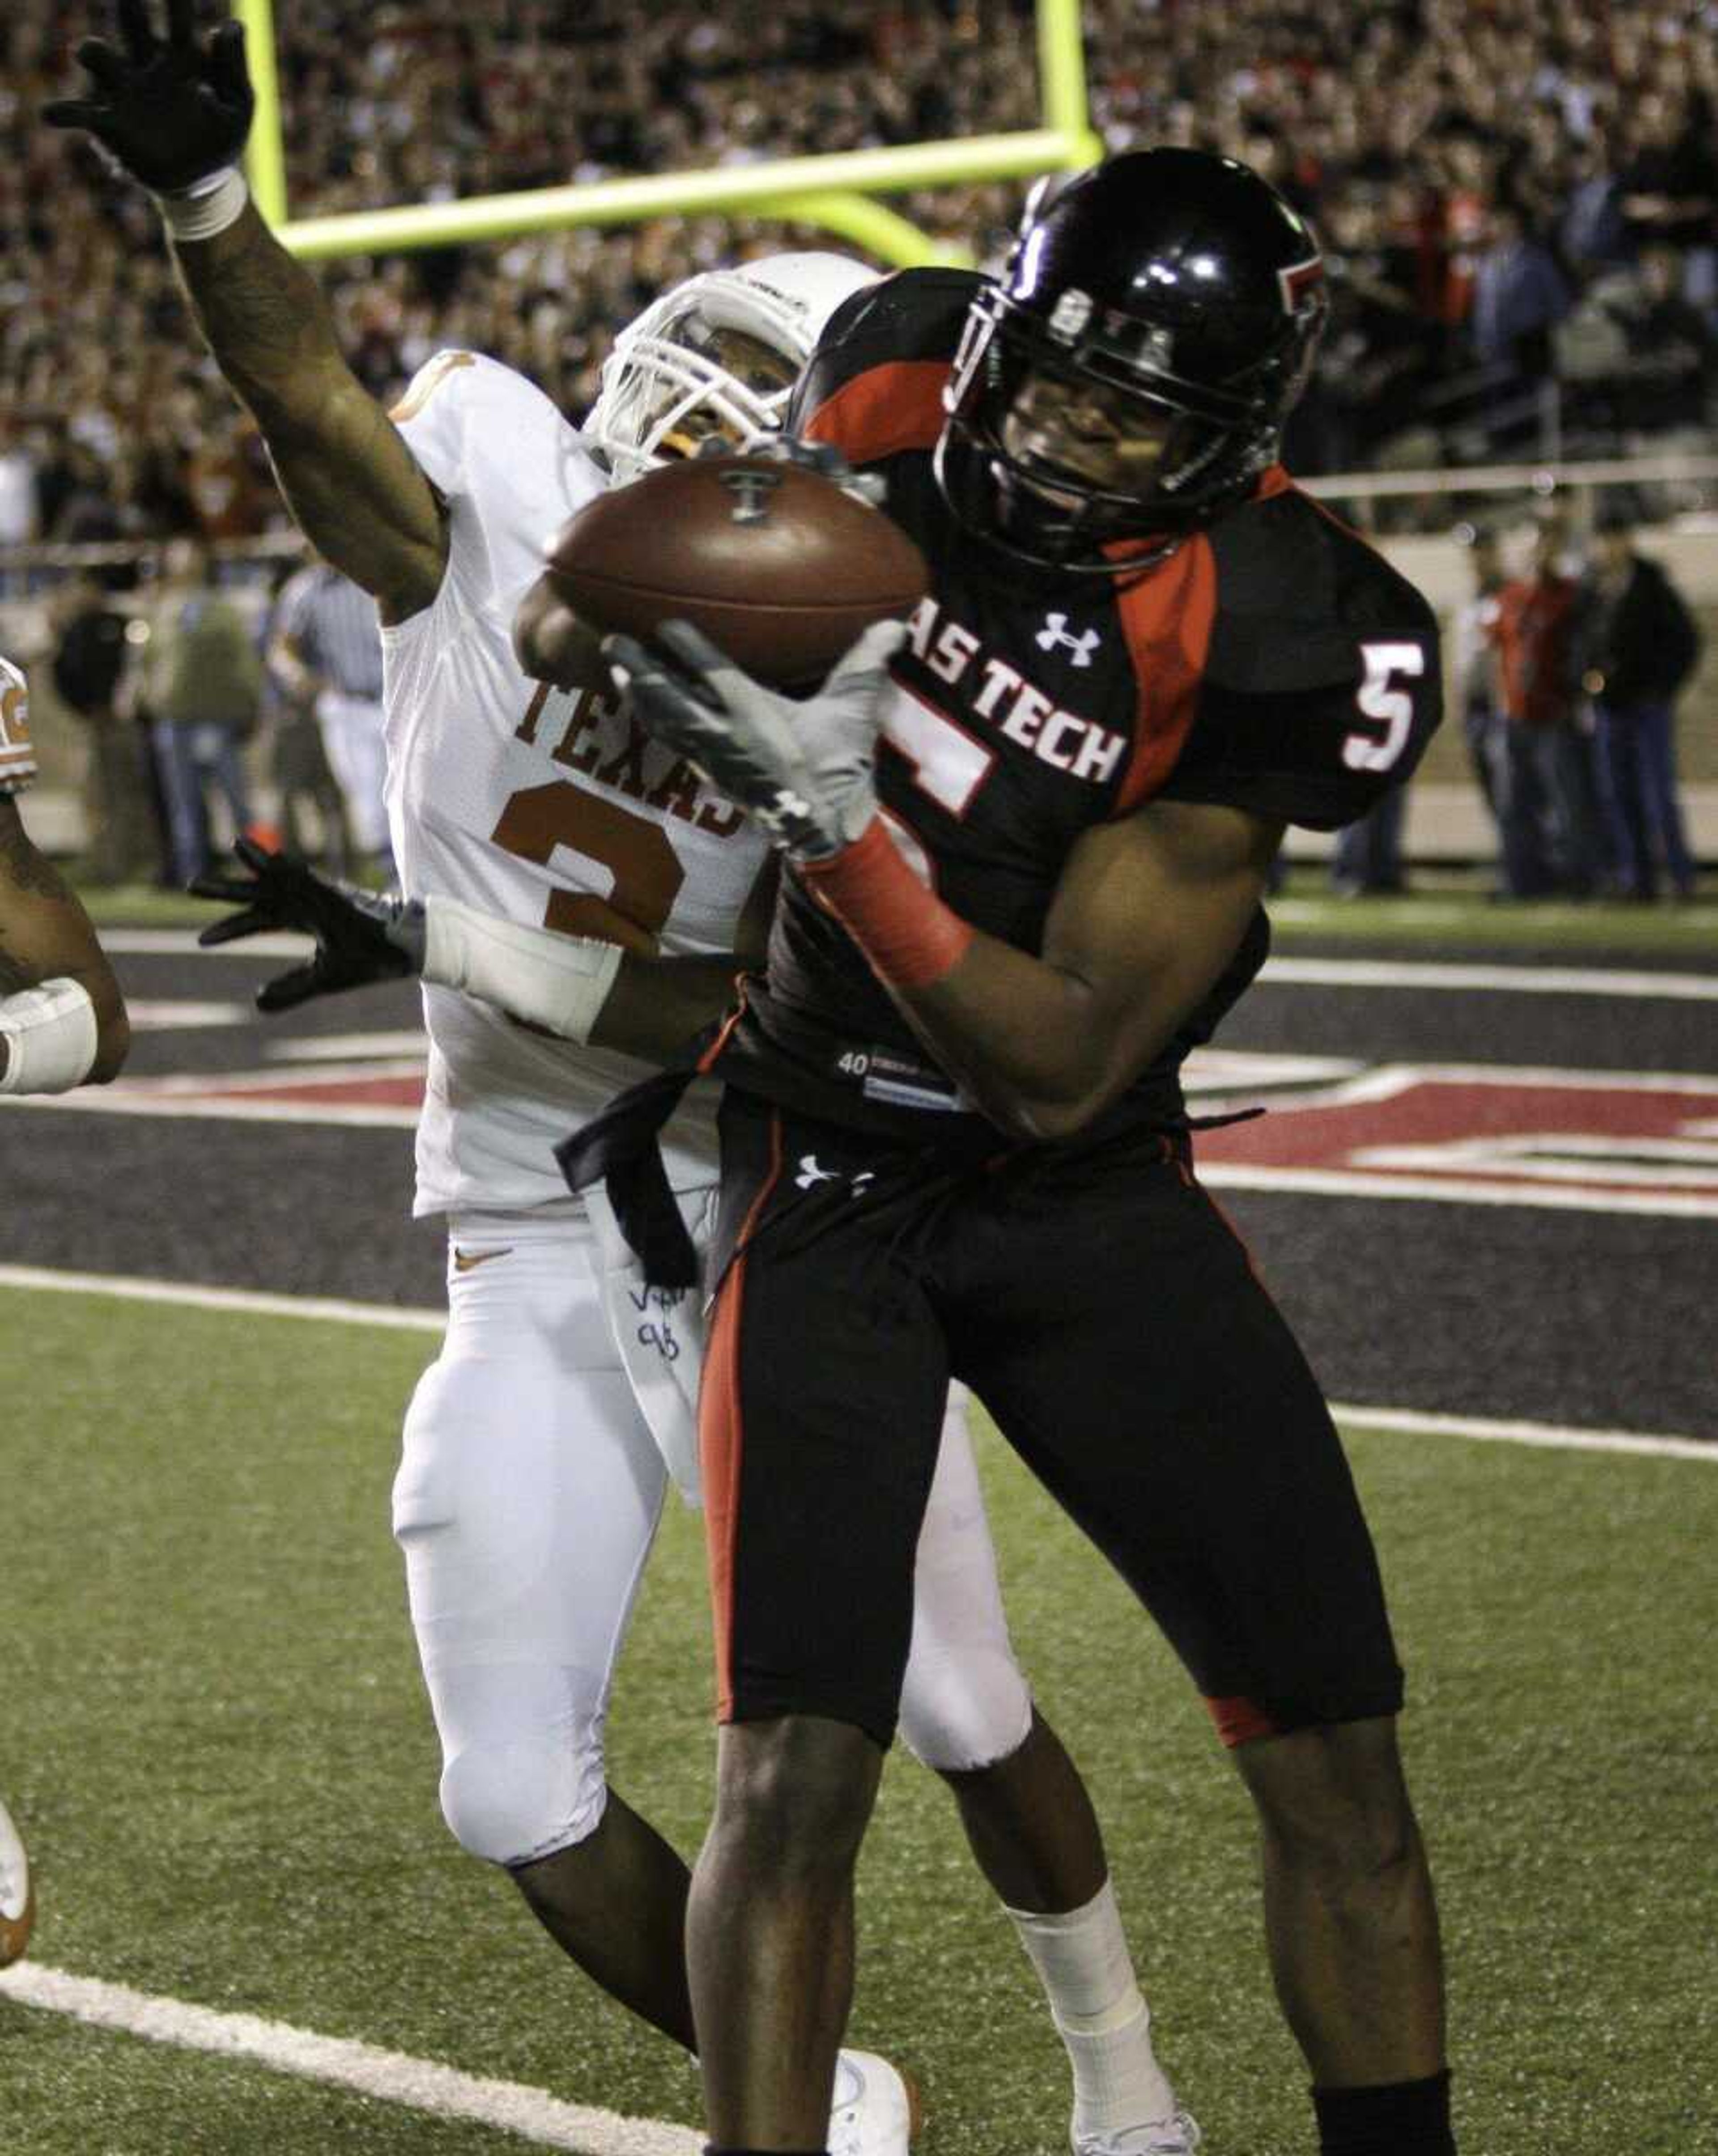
{"type": "Point", "coordinates": [1083, 1962]}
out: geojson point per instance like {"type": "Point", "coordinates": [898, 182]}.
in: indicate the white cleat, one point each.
{"type": "Point", "coordinates": [875, 2109]}
{"type": "Point", "coordinates": [17, 1893]}
{"type": "Point", "coordinates": [1178, 2136]}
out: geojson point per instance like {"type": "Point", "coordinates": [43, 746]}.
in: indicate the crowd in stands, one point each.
{"type": "Point", "coordinates": [1519, 201]}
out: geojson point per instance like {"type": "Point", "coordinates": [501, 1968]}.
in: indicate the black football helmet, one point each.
{"type": "Point", "coordinates": [1176, 276]}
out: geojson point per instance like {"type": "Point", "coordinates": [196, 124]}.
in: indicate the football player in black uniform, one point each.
{"type": "Point", "coordinates": [1026, 859]}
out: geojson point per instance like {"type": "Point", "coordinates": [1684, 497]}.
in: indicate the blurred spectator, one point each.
{"type": "Point", "coordinates": [326, 650]}
{"type": "Point", "coordinates": [89, 664]}
{"type": "Point", "coordinates": [1473, 658]}
{"type": "Point", "coordinates": [1519, 296]}
{"type": "Point", "coordinates": [1400, 130]}
{"type": "Point", "coordinates": [203, 691]}
{"type": "Point", "coordinates": [1667, 189]}
{"type": "Point", "coordinates": [1542, 760]}
{"type": "Point", "coordinates": [1366, 861]}
{"type": "Point", "coordinates": [298, 764]}
{"type": "Point", "coordinates": [1637, 646]}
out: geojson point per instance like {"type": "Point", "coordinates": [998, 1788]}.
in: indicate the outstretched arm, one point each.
{"type": "Point", "coordinates": [573, 986]}
{"type": "Point", "coordinates": [62, 1019]}
{"type": "Point", "coordinates": [174, 112]}
{"type": "Point", "coordinates": [1149, 912]}
{"type": "Point", "coordinates": [352, 485]}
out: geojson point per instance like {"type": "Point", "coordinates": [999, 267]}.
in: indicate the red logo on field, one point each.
{"type": "Point", "coordinates": [1469, 1133]}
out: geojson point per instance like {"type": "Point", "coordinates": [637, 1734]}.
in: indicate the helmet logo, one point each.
{"type": "Point", "coordinates": [752, 488]}
{"type": "Point", "coordinates": [1055, 632]}
{"type": "Point", "coordinates": [1299, 279]}
{"type": "Point", "coordinates": [1070, 314]}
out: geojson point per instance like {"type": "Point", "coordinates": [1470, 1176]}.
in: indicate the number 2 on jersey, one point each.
{"type": "Point", "coordinates": [647, 872]}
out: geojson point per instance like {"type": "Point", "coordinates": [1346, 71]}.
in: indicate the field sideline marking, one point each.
{"type": "Point", "coordinates": [394, 2077]}
{"type": "Point", "coordinates": [411, 1319]}
{"type": "Point", "coordinates": [1528, 980]}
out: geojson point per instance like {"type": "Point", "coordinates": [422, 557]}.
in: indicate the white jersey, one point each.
{"type": "Point", "coordinates": [545, 808]}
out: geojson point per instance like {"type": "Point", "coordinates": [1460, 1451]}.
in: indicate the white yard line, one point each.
{"type": "Point", "coordinates": [1454, 1190]}
{"type": "Point", "coordinates": [531, 2113]}
{"type": "Point", "coordinates": [253, 1302]}
{"type": "Point", "coordinates": [1515, 980]}
{"type": "Point", "coordinates": [417, 1320]}
{"type": "Point", "coordinates": [1321, 972]}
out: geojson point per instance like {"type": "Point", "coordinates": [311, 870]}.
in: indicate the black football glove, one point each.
{"type": "Point", "coordinates": [362, 936]}
{"type": "Point", "coordinates": [170, 113]}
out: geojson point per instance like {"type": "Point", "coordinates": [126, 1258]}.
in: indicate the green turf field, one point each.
{"type": "Point", "coordinates": [214, 1739]}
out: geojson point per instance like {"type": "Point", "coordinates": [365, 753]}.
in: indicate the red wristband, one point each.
{"type": "Point", "coordinates": [909, 937]}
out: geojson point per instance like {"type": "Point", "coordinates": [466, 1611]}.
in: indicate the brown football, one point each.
{"type": "Point", "coordinates": [773, 562]}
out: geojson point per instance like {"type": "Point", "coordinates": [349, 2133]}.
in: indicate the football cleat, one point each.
{"type": "Point", "coordinates": [18, 1894]}
{"type": "Point", "coordinates": [1178, 2136]}
{"type": "Point", "coordinates": [876, 2108]}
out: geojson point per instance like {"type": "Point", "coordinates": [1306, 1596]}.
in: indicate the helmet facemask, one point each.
{"type": "Point", "coordinates": [715, 360]}
{"type": "Point", "coordinates": [1071, 513]}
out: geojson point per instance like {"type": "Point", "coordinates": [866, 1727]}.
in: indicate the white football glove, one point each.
{"type": "Point", "coordinates": [823, 458]}
{"type": "Point", "coordinates": [803, 768]}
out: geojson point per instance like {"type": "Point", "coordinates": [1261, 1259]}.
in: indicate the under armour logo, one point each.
{"type": "Point", "coordinates": [810, 1172]}
{"type": "Point", "coordinates": [1055, 632]}
{"type": "Point", "coordinates": [753, 489]}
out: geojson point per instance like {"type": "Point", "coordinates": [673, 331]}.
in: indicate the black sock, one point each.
{"type": "Point", "coordinates": [1398, 2119]}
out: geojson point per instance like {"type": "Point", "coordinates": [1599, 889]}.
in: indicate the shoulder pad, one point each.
{"type": "Point", "coordinates": [914, 317]}
{"type": "Point", "coordinates": [1322, 679]}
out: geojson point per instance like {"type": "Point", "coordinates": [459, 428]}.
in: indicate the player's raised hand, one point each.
{"type": "Point", "coordinates": [171, 111]}
{"type": "Point", "coordinates": [361, 935]}
{"type": "Point", "coordinates": [803, 768]}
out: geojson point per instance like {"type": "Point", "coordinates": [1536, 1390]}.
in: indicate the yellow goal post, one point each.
{"type": "Point", "coordinates": [835, 193]}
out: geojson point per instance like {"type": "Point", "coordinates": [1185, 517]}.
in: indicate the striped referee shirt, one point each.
{"type": "Point", "coordinates": [333, 626]}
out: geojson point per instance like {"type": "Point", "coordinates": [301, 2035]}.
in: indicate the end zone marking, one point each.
{"type": "Point", "coordinates": [532, 2114]}
{"type": "Point", "coordinates": [413, 1318]}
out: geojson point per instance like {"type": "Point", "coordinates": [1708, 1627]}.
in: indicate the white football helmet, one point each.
{"type": "Point", "coordinates": [664, 388]}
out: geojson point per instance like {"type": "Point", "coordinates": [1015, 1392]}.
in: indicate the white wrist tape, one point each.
{"type": "Point", "coordinates": [50, 1037]}
{"type": "Point", "coordinates": [558, 982]}
{"type": "Point", "coordinates": [207, 207]}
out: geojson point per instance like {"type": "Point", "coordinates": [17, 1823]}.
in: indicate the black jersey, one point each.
{"type": "Point", "coordinates": [1274, 662]}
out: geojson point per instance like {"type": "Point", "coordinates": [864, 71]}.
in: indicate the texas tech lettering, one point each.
{"type": "Point", "coordinates": [997, 692]}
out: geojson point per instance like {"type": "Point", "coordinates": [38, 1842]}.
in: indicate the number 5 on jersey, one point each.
{"type": "Point", "coordinates": [1387, 706]}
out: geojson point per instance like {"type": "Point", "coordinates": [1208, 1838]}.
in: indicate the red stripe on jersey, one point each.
{"type": "Point", "coordinates": [708, 1060]}
{"type": "Point", "coordinates": [1274, 478]}
{"type": "Point", "coordinates": [889, 409]}
{"type": "Point", "coordinates": [1166, 618]}
{"type": "Point", "coordinates": [1238, 1721]}
{"type": "Point", "coordinates": [721, 1434]}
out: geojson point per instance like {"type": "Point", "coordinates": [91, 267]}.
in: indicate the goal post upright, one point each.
{"type": "Point", "coordinates": [835, 191]}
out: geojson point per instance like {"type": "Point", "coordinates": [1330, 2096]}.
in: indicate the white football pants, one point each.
{"type": "Point", "coordinates": [525, 1504]}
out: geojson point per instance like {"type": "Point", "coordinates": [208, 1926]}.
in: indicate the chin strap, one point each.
{"type": "Point", "coordinates": [51, 1037]}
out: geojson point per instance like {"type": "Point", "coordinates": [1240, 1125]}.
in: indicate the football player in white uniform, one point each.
{"type": "Point", "coordinates": [531, 1483]}
{"type": "Point", "coordinates": [62, 1019]}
